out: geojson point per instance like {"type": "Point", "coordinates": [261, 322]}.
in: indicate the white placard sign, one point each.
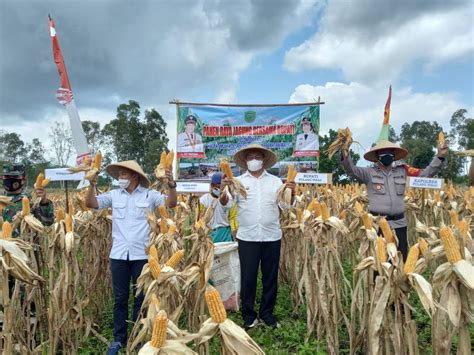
{"type": "Point", "coordinates": [63, 174]}
{"type": "Point", "coordinates": [313, 178]}
{"type": "Point", "coordinates": [425, 183]}
{"type": "Point", "coordinates": [188, 186]}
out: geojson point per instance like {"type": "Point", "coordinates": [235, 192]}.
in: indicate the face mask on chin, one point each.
{"type": "Point", "coordinates": [11, 185]}
{"type": "Point", "coordinates": [386, 159]}
{"type": "Point", "coordinates": [123, 183]}
{"type": "Point", "coordinates": [254, 165]}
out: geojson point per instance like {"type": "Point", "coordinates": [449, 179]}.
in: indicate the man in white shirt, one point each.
{"type": "Point", "coordinates": [220, 223]}
{"type": "Point", "coordinates": [308, 140]}
{"type": "Point", "coordinates": [130, 204]}
{"type": "Point", "coordinates": [190, 141]}
{"type": "Point", "coordinates": [259, 232]}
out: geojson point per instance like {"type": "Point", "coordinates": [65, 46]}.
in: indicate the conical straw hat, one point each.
{"type": "Point", "coordinates": [269, 158]}
{"type": "Point", "coordinates": [113, 170]}
{"type": "Point", "coordinates": [399, 152]}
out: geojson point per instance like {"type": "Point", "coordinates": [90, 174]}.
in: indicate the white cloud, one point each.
{"type": "Point", "coordinates": [375, 43]}
{"type": "Point", "coordinates": [361, 108]}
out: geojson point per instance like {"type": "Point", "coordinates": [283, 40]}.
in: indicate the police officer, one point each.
{"type": "Point", "coordinates": [386, 183]}
{"type": "Point", "coordinates": [14, 184]}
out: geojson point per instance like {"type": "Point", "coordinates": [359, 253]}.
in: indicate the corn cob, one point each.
{"type": "Point", "coordinates": [299, 215]}
{"type": "Point", "coordinates": [163, 225]}
{"type": "Point", "coordinates": [153, 252]}
{"type": "Point", "coordinates": [98, 160]}
{"type": "Point", "coordinates": [358, 207]}
{"type": "Point", "coordinates": [317, 209]}
{"type": "Point", "coordinates": [215, 305]}
{"type": "Point", "coordinates": [386, 230]}
{"type": "Point", "coordinates": [175, 259]}
{"type": "Point", "coordinates": [342, 215]}
{"type": "Point", "coordinates": [311, 205]}
{"type": "Point", "coordinates": [39, 180]}
{"type": "Point", "coordinates": [226, 170]}
{"type": "Point", "coordinates": [381, 250]}
{"type": "Point", "coordinates": [412, 258]}
{"type": "Point", "coordinates": [169, 160]}
{"type": "Point", "coordinates": [68, 223]}
{"type": "Point", "coordinates": [25, 206]}
{"type": "Point", "coordinates": [463, 227]}
{"type": "Point", "coordinates": [423, 247]}
{"type": "Point", "coordinates": [441, 139]}
{"type": "Point", "coordinates": [172, 229]}
{"type": "Point", "coordinates": [367, 221]}
{"type": "Point", "coordinates": [59, 215]}
{"type": "Point", "coordinates": [454, 218]}
{"type": "Point", "coordinates": [291, 173]}
{"type": "Point", "coordinates": [160, 325]}
{"type": "Point", "coordinates": [154, 266]}
{"type": "Point", "coordinates": [324, 211]}
{"type": "Point", "coordinates": [45, 183]}
{"type": "Point", "coordinates": [155, 300]}
{"type": "Point", "coordinates": [451, 246]}
{"type": "Point", "coordinates": [6, 230]}
{"type": "Point", "coordinates": [163, 212]}
{"type": "Point", "coordinates": [163, 158]}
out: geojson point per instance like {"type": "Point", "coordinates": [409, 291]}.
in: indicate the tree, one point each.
{"type": "Point", "coordinates": [12, 148]}
{"type": "Point", "coordinates": [462, 128]}
{"type": "Point", "coordinates": [61, 142]}
{"type": "Point", "coordinates": [93, 134]}
{"type": "Point", "coordinates": [155, 138]}
{"type": "Point", "coordinates": [333, 165]}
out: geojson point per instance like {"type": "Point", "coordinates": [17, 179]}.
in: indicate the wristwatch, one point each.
{"type": "Point", "coordinates": [172, 185]}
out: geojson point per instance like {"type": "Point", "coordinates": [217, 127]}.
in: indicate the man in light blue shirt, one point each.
{"type": "Point", "coordinates": [130, 204]}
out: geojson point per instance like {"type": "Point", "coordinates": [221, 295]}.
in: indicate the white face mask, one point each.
{"type": "Point", "coordinates": [216, 192]}
{"type": "Point", "coordinates": [254, 165]}
{"type": "Point", "coordinates": [124, 183]}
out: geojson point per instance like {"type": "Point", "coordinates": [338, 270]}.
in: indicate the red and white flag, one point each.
{"type": "Point", "coordinates": [65, 97]}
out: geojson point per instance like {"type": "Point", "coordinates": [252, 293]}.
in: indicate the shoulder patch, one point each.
{"type": "Point", "coordinates": [411, 171]}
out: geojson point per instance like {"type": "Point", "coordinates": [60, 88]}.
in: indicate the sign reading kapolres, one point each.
{"type": "Point", "coordinates": [209, 132]}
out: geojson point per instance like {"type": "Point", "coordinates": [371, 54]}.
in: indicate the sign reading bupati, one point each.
{"type": "Point", "coordinates": [313, 178]}
{"type": "Point", "coordinates": [209, 133]}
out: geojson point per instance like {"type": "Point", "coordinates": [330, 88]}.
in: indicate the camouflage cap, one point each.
{"type": "Point", "coordinates": [13, 169]}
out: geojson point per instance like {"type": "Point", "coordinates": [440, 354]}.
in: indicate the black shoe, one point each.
{"type": "Point", "coordinates": [271, 322]}
{"type": "Point", "coordinates": [114, 348]}
{"type": "Point", "coordinates": [251, 325]}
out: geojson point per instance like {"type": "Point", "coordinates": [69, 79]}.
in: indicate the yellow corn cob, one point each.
{"type": "Point", "coordinates": [154, 266]}
{"type": "Point", "coordinates": [451, 246]}
{"type": "Point", "coordinates": [175, 259]}
{"type": "Point", "coordinates": [367, 221]}
{"type": "Point", "coordinates": [172, 229]}
{"type": "Point", "coordinates": [155, 300]}
{"type": "Point", "coordinates": [163, 159]}
{"type": "Point", "coordinates": [454, 218]}
{"type": "Point", "coordinates": [299, 215]}
{"type": "Point", "coordinates": [386, 230]}
{"type": "Point", "coordinates": [215, 305]}
{"type": "Point", "coordinates": [153, 252]}
{"type": "Point", "coordinates": [423, 247]}
{"type": "Point", "coordinates": [163, 212]}
{"type": "Point", "coordinates": [226, 170]}
{"type": "Point", "coordinates": [342, 215]}
{"type": "Point", "coordinates": [324, 211]}
{"type": "Point", "coordinates": [160, 325]}
{"type": "Point", "coordinates": [441, 139]}
{"type": "Point", "coordinates": [317, 209]}
{"type": "Point", "coordinates": [6, 230]}
{"type": "Point", "coordinates": [169, 160]}
{"type": "Point", "coordinates": [25, 206]}
{"type": "Point", "coordinates": [358, 207]}
{"type": "Point", "coordinates": [163, 225]}
{"type": "Point", "coordinates": [59, 215]}
{"type": "Point", "coordinates": [68, 223]}
{"type": "Point", "coordinates": [39, 180]}
{"type": "Point", "coordinates": [381, 250]}
{"type": "Point", "coordinates": [45, 183]}
{"type": "Point", "coordinates": [310, 207]}
{"type": "Point", "coordinates": [291, 173]}
{"type": "Point", "coordinates": [412, 258]}
{"type": "Point", "coordinates": [72, 210]}
{"type": "Point", "coordinates": [98, 160]}
{"type": "Point", "coordinates": [463, 227]}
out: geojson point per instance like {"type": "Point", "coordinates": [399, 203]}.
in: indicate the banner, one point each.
{"type": "Point", "coordinates": [207, 133]}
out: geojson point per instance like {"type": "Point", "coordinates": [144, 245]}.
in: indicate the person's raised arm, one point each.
{"type": "Point", "coordinates": [172, 198]}
{"type": "Point", "coordinates": [361, 174]}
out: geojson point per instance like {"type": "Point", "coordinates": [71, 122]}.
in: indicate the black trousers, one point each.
{"type": "Point", "coordinates": [402, 236]}
{"type": "Point", "coordinates": [251, 255]}
{"type": "Point", "coordinates": [122, 272]}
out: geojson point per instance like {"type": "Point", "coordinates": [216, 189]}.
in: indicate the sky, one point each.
{"type": "Point", "coordinates": [239, 51]}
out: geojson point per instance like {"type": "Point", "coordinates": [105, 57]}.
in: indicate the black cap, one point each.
{"type": "Point", "coordinates": [307, 119]}
{"type": "Point", "coordinates": [190, 118]}
{"type": "Point", "coordinates": [13, 169]}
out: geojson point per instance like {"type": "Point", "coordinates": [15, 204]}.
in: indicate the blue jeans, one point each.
{"type": "Point", "coordinates": [122, 272]}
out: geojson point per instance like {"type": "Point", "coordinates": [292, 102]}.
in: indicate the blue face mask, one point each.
{"type": "Point", "coordinates": [216, 192]}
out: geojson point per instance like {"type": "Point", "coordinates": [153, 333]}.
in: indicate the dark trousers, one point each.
{"type": "Point", "coordinates": [251, 254]}
{"type": "Point", "coordinates": [122, 272]}
{"type": "Point", "coordinates": [402, 237]}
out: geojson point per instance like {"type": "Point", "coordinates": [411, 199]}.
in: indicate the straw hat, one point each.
{"type": "Point", "coordinates": [269, 158]}
{"type": "Point", "coordinates": [113, 170]}
{"type": "Point", "coordinates": [399, 152]}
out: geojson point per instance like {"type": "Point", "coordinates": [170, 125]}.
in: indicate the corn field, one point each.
{"type": "Point", "coordinates": [55, 281]}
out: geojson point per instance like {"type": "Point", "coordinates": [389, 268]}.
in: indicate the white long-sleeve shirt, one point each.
{"type": "Point", "coordinates": [259, 215]}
